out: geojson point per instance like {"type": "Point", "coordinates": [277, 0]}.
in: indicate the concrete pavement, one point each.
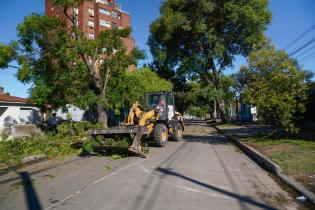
{"type": "Point", "coordinates": [201, 172]}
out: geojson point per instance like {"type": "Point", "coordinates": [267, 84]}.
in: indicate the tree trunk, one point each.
{"type": "Point", "coordinates": [237, 110]}
{"type": "Point", "coordinates": [102, 115]}
{"type": "Point", "coordinates": [221, 110]}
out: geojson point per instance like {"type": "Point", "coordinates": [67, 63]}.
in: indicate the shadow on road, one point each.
{"type": "Point", "coordinates": [15, 178]}
{"type": "Point", "coordinates": [155, 184]}
{"type": "Point", "coordinates": [241, 198]}
{"type": "Point", "coordinates": [32, 200]}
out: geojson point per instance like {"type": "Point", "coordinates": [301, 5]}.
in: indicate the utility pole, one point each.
{"type": "Point", "coordinates": [215, 112]}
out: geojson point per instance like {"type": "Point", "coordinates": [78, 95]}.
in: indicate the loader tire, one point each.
{"type": "Point", "coordinates": [161, 135]}
{"type": "Point", "coordinates": [177, 134]}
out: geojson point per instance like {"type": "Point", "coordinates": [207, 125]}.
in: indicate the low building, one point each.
{"type": "Point", "coordinates": [16, 111]}
{"type": "Point", "coordinates": [74, 112]}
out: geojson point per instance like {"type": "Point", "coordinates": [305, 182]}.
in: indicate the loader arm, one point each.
{"type": "Point", "coordinates": [146, 120]}
{"type": "Point", "coordinates": [134, 114]}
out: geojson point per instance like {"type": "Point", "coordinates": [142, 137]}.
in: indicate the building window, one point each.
{"type": "Point", "coordinates": [114, 25]}
{"type": "Point", "coordinates": [105, 23]}
{"type": "Point", "coordinates": [119, 17]}
{"type": "Point", "coordinates": [104, 11]}
{"type": "Point", "coordinates": [91, 36]}
{"type": "Point", "coordinates": [91, 12]}
{"type": "Point", "coordinates": [91, 24]}
{"type": "Point", "coordinates": [114, 14]}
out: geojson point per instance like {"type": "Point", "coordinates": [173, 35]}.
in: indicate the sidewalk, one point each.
{"type": "Point", "coordinates": [293, 154]}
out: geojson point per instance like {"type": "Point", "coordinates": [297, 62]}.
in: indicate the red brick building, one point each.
{"type": "Point", "coordinates": [96, 16]}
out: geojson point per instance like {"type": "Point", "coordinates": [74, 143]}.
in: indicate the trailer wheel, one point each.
{"type": "Point", "coordinates": [178, 131]}
{"type": "Point", "coordinates": [161, 135]}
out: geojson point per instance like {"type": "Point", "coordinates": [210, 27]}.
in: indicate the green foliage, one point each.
{"type": "Point", "coordinates": [7, 54]}
{"type": "Point", "coordinates": [134, 85]}
{"type": "Point", "coordinates": [69, 117]}
{"type": "Point", "coordinates": [199, 98]}
{"type": "Point", "coordinates": [294, 156]}
{"type": "Point", "coordinates": [115, 156]}
{"type": "Point", "coordinates": [107, 168]}
{"type": "Point", "coordinates": [12, 152]}
{"type": "Point", "coordinates": [53, 145]}
{"type": "Point", "coordinates": [197, 111]}
{"type": "Point", "coordinates": [76, 128]}
{"type": "Point", "coordinates": [200, 38]}
{"type": "Point", "coordinates": [118, 141]}
{"type": "Point", "coordinates": [276, 86]}
{"type": "Point", "coordinates": [63, 65]}
{"type": "Point", "coordinates": [88, 145]}
{"type": "Point", "coordinates": [309, 115]}
{"type": "Point", "coordinates": [4, 136]}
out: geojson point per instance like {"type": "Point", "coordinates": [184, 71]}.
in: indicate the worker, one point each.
{"type": "Point", "coordinates": [53, 122]}
{"type": "Point", "coordinates": [162, 104]}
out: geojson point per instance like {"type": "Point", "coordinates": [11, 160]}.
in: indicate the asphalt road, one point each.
{"type": "Point", "coordinates": [201, 172]}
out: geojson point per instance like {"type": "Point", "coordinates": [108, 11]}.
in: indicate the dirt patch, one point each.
{"type": "Point", "coordinates": [269, 150]}
{"type": "Point", "coordinates": [307, 180]}
{"type": "Point", "coordinates": [278, 200]}
{"type": "Point", "coordinates": [278, 148]}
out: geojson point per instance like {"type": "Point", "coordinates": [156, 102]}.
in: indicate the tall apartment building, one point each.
{"type": "Point", "coordinates": [96, 16]}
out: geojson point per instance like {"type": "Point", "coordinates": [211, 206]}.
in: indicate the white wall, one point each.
{"type": "Point", "coordinates": [15, 114]}
{"type": "Point", "coordinates": [76, 113]}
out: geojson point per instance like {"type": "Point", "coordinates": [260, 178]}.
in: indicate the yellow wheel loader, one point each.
{"type": "Point", "coordinates": [157, 120]}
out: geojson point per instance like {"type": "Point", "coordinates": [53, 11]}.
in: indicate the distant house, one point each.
{"type": "Point", "coordinates": [16, 111]}
{"type": "Point", "coordinates": [76, 113]}
{"type": "Point", "coordinates": [248, 113]}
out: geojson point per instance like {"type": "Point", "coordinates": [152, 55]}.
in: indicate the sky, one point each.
{"type": "Point", "coordinates": [290, 19]}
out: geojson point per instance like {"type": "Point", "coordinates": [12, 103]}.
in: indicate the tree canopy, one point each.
{"type": "Point", "coordinates": [133, 85]}
{"type": "Point", "coordinates": [275, 84]}
{"type": "Point", "coordinates": [64, 66]}
{"type": "Point", "coordinates": [201, 37]}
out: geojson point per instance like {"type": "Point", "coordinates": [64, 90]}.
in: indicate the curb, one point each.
{"type": "Point", "coordinates": [26, 161]}
{"type": "Point", "coordinates": [268, 165]}
{"type": "Point", "coordinates": [33, 159]}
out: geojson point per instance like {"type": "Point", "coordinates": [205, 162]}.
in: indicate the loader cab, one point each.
{"type": "Point", "coordinates": [162, 101]}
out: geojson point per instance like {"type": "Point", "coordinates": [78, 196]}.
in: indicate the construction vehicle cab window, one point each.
{"type": "Point", "coordinates": [158, 121]}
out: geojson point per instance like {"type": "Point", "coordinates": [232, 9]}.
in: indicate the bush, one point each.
{"type": "Point", "coordinates": [76, 128]}
{"type": "Point", "coordinates": [53, 146]}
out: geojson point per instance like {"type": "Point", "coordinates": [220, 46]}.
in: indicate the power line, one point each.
{"type": "Point", "coordinates": [303, 46]}
{"type": "Point", "coordinates": [300, 36]}
{"type": "Point", "coordinates": [308, 50]}
{"type": "Point", "coordinates": [13, 66]}
{"type": "Point", "coordinates": [307, 58]}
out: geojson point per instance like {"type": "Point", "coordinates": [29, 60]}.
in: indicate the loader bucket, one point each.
{"type": "Point", "coordinates": [125, 131]}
